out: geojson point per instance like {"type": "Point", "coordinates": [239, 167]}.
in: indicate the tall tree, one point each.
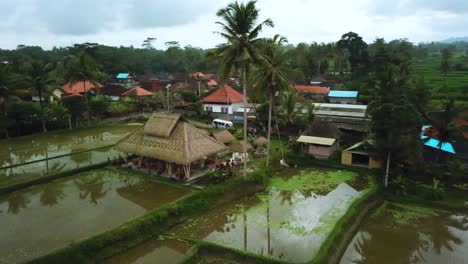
{"type": "Point", "coordinates": [38, 78]}
{"type": "Point", "coordinates": [394, 120]}
{"type": "Point", "coordinates": [445, 61]}
{"type": "Point", "coordinates": [240, 29]}
{"type": "Point", "coordinates": [82, 69]}
{"type": "Point", "coordinates": [270, 78]}
{"type": "Point", "coordinates": [358, 56]}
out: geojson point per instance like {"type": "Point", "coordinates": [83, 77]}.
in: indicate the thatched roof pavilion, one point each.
{"type": "Point", "coordinates": [223, 136]}
{"type": "Point", "coordinates": [166, 137]}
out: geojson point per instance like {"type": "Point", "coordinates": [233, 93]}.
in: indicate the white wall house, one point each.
{"type": "Point", "coordinates": [222, 108]}
{"type": "Point", "coordinates": [225, 100]}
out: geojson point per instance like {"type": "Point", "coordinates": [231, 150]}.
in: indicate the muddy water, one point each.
{"type": "Point", "coordinates": [44, 218]}
{"type": "Point", "coordinates": [158, 251]}
{"type": "Point", "coordinates": [39, 146]}
{"type": "Point", "coordinates": [409, 234]}
{"type": "Point", "coordinates": [290, 221]}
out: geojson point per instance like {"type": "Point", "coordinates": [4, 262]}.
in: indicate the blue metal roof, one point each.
{"type": "Point", "coordinates": [122, 75]}
{"type": "Point", "coordinates": [434, 143]}
{"type": "Point", "coordinates": [350, 94]}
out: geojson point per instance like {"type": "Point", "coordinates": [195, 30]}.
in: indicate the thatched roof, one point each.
{"type": "Point", "coordinates": [183, 145]}
{"type": "Point", "coordinates": [323, 129]}
{"type": "Point", "coordinates": [239, 146]}
{"type": "Point", "coordinates": [260, 141]}
{"type": "Point", "coordinates": [223, 136]}
{"type": "Point", "coordinates": [161, 124]}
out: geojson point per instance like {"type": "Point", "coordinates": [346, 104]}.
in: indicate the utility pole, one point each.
{"type": "Point", "coordinates": [167, 94]}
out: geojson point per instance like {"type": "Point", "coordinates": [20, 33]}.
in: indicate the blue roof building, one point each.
{"type": "Point", "coordinates": [344, 94]}
{"type": "Point", "coordinates": [343, 97]}
{"type": "Point", "coordinates": [434, 143]}
{"type": "Point", "coordinates": [122, 76]}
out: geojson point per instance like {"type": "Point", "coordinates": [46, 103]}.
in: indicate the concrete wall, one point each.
{"type": "Point", "coordinates": [217, 107]}
{"type": "Point", "coordinates": [342, 100]}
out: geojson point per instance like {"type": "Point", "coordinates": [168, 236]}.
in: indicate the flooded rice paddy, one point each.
{"type": "Point", "coordinates": [158, 251]}
{"type": "Point", "coordinates": [44, 218]}
{"type": "Point", "coordinates": [37, 151]}
{"type": "Point", "coordinates": [289, 221]}
{"type": "Point", "coordinates": [39, 146]}
{"type": "Point", "coordinates": [399, 233]}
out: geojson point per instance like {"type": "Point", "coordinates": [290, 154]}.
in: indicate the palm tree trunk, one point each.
{"type": "Point", "coordinates": [318, 70]}
{"type": "Point", "coordinates": [270, 107]}
{"type": "Point", "coordinates": [244, 102]}
{"type": "Point", "coordinates": [88, 114]}
{"type": "Point", "coordinates": [387, 170]}
{"type": "Point", "coordinates": [44, 129]}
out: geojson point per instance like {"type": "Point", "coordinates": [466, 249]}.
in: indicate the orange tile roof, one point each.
{"type": "Point", "coordinates": [312, 89]}
{"type": "Point", "coordinates": [139, 92]}
{"type": "Point", "coordinates": [225, 94]}
{"type": "Point", "coordinates": [212, 83]}
{"type": "Point", "coordinates": [79, 88]}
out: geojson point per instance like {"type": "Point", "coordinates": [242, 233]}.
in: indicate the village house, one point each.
{"type": "Point", "coordinates": [314, 92]}
{"type": "Point", "coordinates": [223, 102]}
{"type": "Point", "coordinates": [123, 79]}
{"type": "Point", "coordinates": [80, 87]}
{"type": "Point", "coordinates": [112, 91]}
{"type": "Point", "coordinates": [342, 97]}
{"type": "Point", "coordinates": [137, 91]}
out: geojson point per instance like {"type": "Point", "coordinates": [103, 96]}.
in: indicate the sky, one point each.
{"type": "Point", "coordinates": [49, 23]}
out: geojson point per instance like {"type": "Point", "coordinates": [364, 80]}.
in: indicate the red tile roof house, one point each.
{"type": "Point", "coordinates": [223, 102]}
{"type": "Point", "coordinates": [314, 92]}
{"type": "Point", "coordinates": [80, 87]}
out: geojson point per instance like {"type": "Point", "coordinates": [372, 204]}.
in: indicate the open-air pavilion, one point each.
{"type": "Point", "coordinates": [168, 145]}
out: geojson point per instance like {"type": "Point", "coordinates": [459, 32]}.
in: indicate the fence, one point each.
{"type": "Point", "coordinates": [34, 170]}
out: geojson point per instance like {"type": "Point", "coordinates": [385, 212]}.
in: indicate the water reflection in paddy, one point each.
{"type": "Point", "coordinates": [409, 234]}
{"type": "Point", "coordinates": [289, 221]}
{"type": "Point", "coordinates": [38, 146]}
{"type": "Point", "coordinates": [44, 218]}
{"type": "Point", "coordinates": [158, 251]}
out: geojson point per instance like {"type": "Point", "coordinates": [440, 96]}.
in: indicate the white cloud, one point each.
{"type": "Point", "coordinates": [51, 23]}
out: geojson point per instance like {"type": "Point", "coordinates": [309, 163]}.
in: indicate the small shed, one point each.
{"type": "Point", "coordinates": [358, 155]}
{"type": "Point", "coordinates": [343, 97]}
{"type": "Point", "coordinates": [318, 147]}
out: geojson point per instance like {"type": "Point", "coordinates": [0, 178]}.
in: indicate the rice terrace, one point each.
{"type": "Point", "coordinates": [234, 132]}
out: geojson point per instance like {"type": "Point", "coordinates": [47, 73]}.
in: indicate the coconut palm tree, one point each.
{"type": "Point", "coordinates": [270, 77]}
{"type": "Point", "coordinates": [443, 123]}
{"type": "Point", "coordinates": [38, 78]}
{"type": "Point", "coordinates": [82, 69]}
{"type": "Point", "coordinates": [240, 29]}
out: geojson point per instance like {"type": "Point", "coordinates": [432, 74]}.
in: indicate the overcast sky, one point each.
{"type": "Point", "coordinates": [49, 23]}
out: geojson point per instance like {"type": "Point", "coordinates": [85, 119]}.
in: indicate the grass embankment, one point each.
{"type": "Point", "coordinates": [452, 200]}
{"type": "Point", "coordinates": [154, 223]}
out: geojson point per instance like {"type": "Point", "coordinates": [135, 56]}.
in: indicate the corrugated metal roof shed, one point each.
{"type": "Point", "coordinates": [348, 94]}
{"type": "Point", "coordinates": [122, 75]}
{"type": "Point", "coordinates": [434, 143]}
{"type": "Point", "coordinates": [316, 140]}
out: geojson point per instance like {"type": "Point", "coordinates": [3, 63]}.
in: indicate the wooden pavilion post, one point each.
{"type": "Point", "coordinates": [169, 168]}
{"type": "Point", "coordinates": [187, 171]}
